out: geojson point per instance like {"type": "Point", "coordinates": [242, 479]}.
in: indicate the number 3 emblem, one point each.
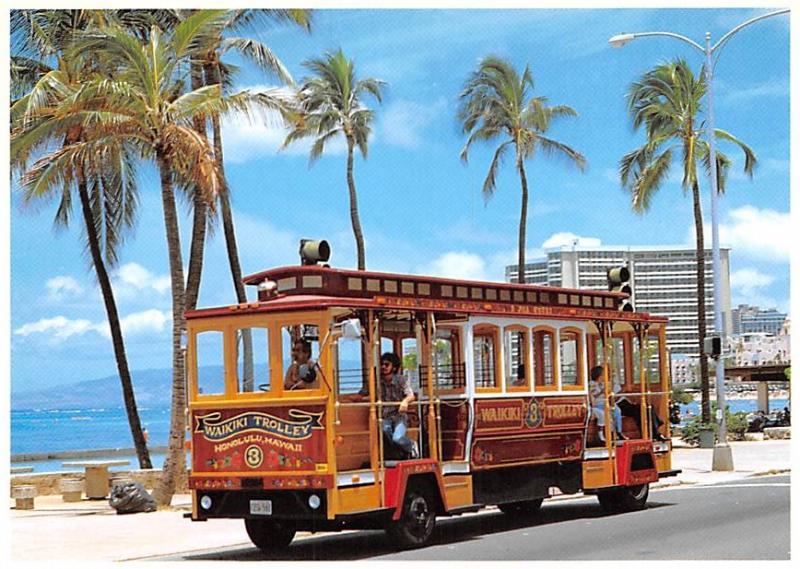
{"type": "Point", "coordinates": [254, 456]}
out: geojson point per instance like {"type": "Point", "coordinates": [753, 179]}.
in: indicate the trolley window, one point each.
{"type": "Point", "coordinates": [544, 356]}
{"type": "Point", "coordinates": [210, 362]}
{"type": "Point", "coordinates": [300, 355]}
{"type": "Point", "coordinates": [571, 355]}
{"type": "Point", "coordinates": [447, 365]}
{"type": "Point", "coordinates": [252, 359]}
{"type": "Point", "coordinates": [517, 356]}
{"type": "Point", "coordinates": [484, 354]}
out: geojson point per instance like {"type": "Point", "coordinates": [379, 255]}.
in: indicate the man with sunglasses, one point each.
{"type": "Point", "coordinates": [396, 387]}
{"type": "Point", "coordinates": [302, 373]}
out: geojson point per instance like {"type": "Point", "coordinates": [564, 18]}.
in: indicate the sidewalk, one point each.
{"type": "Point", "coordinates": [92, 531]}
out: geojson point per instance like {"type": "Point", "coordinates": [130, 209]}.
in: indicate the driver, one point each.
{"type": "Point", "coordinates": [302, 373]}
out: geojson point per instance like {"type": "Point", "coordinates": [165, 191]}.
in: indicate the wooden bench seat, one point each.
{"type": "Point", "coordinates": [629, 429]}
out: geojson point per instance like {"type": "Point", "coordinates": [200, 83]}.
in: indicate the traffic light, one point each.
{"type": "Point", "coordinates": [619, 280]}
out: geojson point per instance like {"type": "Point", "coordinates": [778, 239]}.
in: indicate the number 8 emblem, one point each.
{"type": "Point", "coordinates": [254, 456]}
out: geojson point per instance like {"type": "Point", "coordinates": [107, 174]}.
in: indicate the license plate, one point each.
{"type": "Point", "coordinates": [261, 507]}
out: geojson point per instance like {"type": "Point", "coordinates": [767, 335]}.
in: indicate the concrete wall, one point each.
{"type": "Point", "coordinates": [47, 483]}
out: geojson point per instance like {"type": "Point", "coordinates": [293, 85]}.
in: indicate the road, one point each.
{"type": "Point", "coordinates": [746, 519]}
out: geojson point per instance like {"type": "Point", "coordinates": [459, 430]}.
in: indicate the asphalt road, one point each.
{"type": "Point", "coordinates": [746, 519]}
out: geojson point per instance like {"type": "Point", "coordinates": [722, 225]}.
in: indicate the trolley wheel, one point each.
{"type": "Point", "coordinates": [417, 521]}
{"type": "Point", "coordinates": [624, 498]}
{"type": "Point", "coordinates": [523, 508]}
{"type": "Point", "coordinates": [268, 535]}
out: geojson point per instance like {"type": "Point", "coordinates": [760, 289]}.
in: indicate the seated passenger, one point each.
{"type": "Point", "coordinates": [631, 409]}
{"type": "Point", "coordinates": [597, 398]}
{"type": "Point", "coordinates": [396, 387]}
{"type": "Point", "coordinates": [302, 374]}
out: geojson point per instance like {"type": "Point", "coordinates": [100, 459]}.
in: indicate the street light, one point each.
{"type": "Point", "coordinates": [722, 459]}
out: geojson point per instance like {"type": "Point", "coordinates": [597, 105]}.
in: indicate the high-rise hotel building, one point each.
{"type": "Point", "coordinates": [663, 278]}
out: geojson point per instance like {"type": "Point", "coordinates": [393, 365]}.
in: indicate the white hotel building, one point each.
{"type": "Point", "coordinates": [663, 278]}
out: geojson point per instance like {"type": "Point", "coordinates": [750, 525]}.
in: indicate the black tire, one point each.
{"type": "Point", "coordinates": [417, 521]}
{"type": "Point", "coordinates": [268, 535]}
{"type": "Point", "coordinates": [624, 499]}
{"type": "Point", "coordinates": [523, 508]}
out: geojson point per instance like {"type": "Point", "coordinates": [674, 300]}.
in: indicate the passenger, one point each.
{"type": "Point", "coordinates": [630, 409]}
{"type": "Point", "coordinates": [396, 387]}
{"type": "Point", "coordinates": [598, 400]}
{"type": "Point", "coordinates": [302, 373]}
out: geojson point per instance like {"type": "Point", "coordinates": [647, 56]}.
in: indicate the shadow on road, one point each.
{"type": "Point", "coordinates": [367, 544]}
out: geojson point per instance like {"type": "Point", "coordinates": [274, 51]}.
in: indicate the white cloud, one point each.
{"type": "Point", "coordinates": [770, 89]}
{"type": "Point", "coordinates": [404, 122]}
{"type": "Point", "coordinates": [762, 234]}
{"type": "Point", "coordinates": [456, 265]}
{"type": "Point", "coordinates": [247, 138]}
{"type": "Point", "coordinates": [147, 321]}
{"type": "Point", "coordinates": [747, 281]}
{"type": "Point", "coordinates": [61, 286]}
{"type": "Point", "coordinates": [565, 238]}
{"type": "Point", "coordinates": [61, 328]}
{"type": "Point", "coordinates": [134, 276]}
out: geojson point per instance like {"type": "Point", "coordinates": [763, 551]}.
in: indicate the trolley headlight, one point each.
{"type": "Point", "coordinates": [205, 502]}
{"type": "Point", "coordinates": [314, 501]}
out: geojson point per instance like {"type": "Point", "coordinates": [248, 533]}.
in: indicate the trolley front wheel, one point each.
{"type": "Point", "coordinates": [416, 523]}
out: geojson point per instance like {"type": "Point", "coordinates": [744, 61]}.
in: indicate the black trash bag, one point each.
{"type": "Point", "coordinates": [130, 498]}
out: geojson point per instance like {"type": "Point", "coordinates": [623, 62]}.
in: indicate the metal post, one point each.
{"type": "Point", "coordinates": [722, 458]}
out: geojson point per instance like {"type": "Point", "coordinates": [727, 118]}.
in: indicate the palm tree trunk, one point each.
{"type": "Point", "coordinates": [200, 212]}
{"type": "Point", "coordinates": [701, 304]}
{"type": "Point", "coordinates": [128, 396]}
{"type": "Point", "coordinates": [175, 463]}
{"type": "Point", "coordinates": [523, 221]}
{"type": "Point", "coordinates": [212, 71]}
{"type": "Point", "coordinates": [354, 207]}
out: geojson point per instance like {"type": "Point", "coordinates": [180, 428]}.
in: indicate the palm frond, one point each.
{"type": "Point", "coordinates": [490, 183]}
{"type": "Point", "coordinates": [259, 54]}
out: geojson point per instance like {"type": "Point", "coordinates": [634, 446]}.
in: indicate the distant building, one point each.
{"type": "Point", "coordinates": [664, 281]}
{"type": "Point", "coordinates": [684, 369]}
{"type": "Point", "coordinates": [752, 320]}
{"type": "Point", "coordinates": [759, 348]}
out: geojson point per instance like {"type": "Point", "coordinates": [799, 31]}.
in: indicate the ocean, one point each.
{"type": "Point", "coordinates": [57, 430]}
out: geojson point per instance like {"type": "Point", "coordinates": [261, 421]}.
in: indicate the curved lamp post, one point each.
{"type": "Point", "coordinates": [723, 459]}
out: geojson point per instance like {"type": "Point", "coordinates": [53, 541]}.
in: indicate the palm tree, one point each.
{"type": "Point", "coordinates": [331, 105]}
{"type": "Point", "coordinates": [105, 182]}
{"type": "Point", "coordinates": [496, 103]}
{"type": "Point", "coordinates": [143, 104]}
{"type": "Point", "coordinates": [214, 72]}
{"type": "Point", "coordinates": [667, 102]}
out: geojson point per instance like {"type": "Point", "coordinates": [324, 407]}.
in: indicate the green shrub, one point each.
{"type": "Point", "coordinates": [735, 422]}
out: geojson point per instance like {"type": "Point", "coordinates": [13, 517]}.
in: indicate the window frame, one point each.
{"type": "Point", "coordinates": [526, 359]}
{"type": "Point", "coordinates": [493, 331]}
{"type": "Point", "coordinates": [538, 356]}
{"type": "Point", "coordinates": [579, 356]}
{"type": "Point", "coordinates": [457, 353]}
{"type": "Point", "coordinates": [192, 369]}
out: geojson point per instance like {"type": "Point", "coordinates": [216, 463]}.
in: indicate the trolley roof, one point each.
{"type": "Point", "coordinates": [314, 286]}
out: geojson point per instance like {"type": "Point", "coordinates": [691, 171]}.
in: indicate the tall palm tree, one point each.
{"type": "Point", "coordinates": [105, 183]}
{"type": "Point", "coordinates": [143, 104]}
{"type": "Point", "coordinates": [330, 106]}
{"type": "Point", "coordinates": [214, 72]}
{"type": "Point", "coordinates": [667, 102]}
{"type": "Point", "coordinates": [496, 103]}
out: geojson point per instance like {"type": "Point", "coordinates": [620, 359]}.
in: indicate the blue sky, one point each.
{"type": "Point", "coordinates": [421, 208]}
